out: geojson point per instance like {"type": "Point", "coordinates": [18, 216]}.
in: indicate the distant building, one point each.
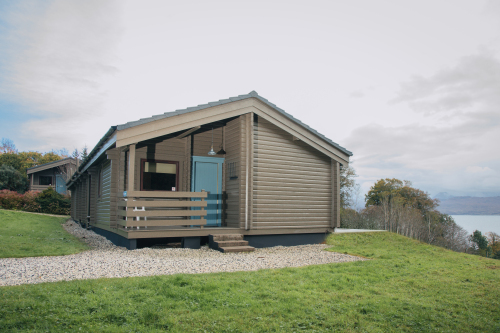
{"type": "Point", "coordinates": [54, 174]}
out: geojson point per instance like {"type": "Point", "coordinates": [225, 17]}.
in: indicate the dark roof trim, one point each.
{"type": "Point", "coordinates": [252, 94]}
{"type": "Point", "coordinates": [90, 158]}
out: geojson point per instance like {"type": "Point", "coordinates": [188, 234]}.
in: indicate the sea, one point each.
{"type": "Point", "coordinates": [483, 223]}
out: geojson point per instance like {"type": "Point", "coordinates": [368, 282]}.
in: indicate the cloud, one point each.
{"type": "Point", "coordinates": [357, 94]}
{"type": "Point", "coordinates": [58, 66]}
{"type": "Point", "coordinates": [462, 131]}
{"type": "Point", "coordinates": [477, 169]}
{"type": "Point", "coordinates": [471, 85]}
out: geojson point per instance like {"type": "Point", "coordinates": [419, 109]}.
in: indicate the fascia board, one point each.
{"type": "Point", "coordinates": [298, 131]}
{"type": "Point", "coordinates": [182, 122]}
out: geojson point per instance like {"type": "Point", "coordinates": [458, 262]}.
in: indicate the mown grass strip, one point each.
{"type": "Point", "coordinates": [31, 235]}
{"type": "Point", "coordinates": [407, 287]}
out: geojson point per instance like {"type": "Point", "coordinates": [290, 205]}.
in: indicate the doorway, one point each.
{"type": "Point", "coordinates": [206, 175]}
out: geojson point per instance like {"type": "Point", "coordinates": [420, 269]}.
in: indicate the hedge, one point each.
{"type": "Point", "coordinates": [48, 201]}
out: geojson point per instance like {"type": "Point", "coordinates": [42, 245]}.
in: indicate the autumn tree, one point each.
{"type": "Point", "coordinates": [494, 244]}
{"type": "Point", "coordinates": [7, 146]}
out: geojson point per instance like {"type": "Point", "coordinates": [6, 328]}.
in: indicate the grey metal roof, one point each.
{"type": "Point", "coordinates": [229, 100]}
{"type": "Point", "coordinates": [55, 163]}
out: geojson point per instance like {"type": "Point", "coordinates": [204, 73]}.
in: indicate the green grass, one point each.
{"type": "Point", "coordinates": [31, 235]}
{"type": "Point", "coordinates": [407, 287]}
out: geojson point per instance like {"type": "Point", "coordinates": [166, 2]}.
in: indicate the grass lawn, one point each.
{"type": "Point", "coordinates": [407, 287]}
{"type": "Point", "coordinates": [24, 234]}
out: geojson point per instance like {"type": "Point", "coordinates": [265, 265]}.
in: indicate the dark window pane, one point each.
{"type": "Point", "coordinates": [159, 176]}
{"type": "Point", "coordinates": [158, 181]}
{"type": "Point", "coordinates": [45, 180]}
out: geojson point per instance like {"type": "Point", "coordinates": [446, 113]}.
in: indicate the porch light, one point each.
{"type": "Point", "coordinates": [212, 152]}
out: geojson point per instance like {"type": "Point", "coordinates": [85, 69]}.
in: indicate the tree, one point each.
{"type": "Point", "coordinates": [84, 153]}
{"type": "Point", "coordinates": [7, 146]}
{"type": "Point", "coordinates": [479, 243]}
{"type": "Point", "coordinates": [76, 154]}
{"type": "Point", "coordinates": [13, 160]}
{"type": "Point", "coordinates": [348, 187]}
{"type": "Point", "coordinates": [384, 189]}
{"type": "Point", "coordinates": [12, 180]}
{"type": "Point", "coordinates": [494, 244]}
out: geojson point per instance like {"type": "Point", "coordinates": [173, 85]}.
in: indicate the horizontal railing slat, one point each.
{"type": "Point", "coordinates": [163, 194]}
{"type": "Point", "coordinates": [166, 213]}
{"type": "Point", "coordinates": [161, 223]}
{"type": "Point", "coordinates": [144, 203]}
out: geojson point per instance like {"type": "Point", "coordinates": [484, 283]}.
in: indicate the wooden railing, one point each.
{"type": "Point", "coordinates": [40, 188]}
{"type": "Point", "coordinates": [142, 209]}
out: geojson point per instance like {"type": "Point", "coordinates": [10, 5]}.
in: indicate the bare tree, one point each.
{"type": "Point", "coordinates": [7, 146]}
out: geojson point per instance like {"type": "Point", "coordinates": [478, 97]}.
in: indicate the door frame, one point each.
{"type": "Point", "coordinates": [215, 160]}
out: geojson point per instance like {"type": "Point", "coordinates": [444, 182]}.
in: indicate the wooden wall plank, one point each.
{"type": "Point", "coordinates": [292, 181]}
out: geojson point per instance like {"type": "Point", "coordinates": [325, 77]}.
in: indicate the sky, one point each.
{"type": "Point", "coordinates": [412, 88]}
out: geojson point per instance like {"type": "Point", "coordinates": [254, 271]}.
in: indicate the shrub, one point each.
{"type": "Point", "coordinates": [29, 202]}
{"type": "Point", "coordinates": [11, 200]}
{"type": "Point", "coordinates": [52, 202]}
{"type": "Point", "coordinates": [48, 201]}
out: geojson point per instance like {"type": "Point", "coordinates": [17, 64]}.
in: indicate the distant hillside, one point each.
{"type": "Point", "coordinates": [470, 206]}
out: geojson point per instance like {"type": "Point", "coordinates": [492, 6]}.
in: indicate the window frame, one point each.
{"type": "Point", "coordinates": [99, 183]}
{"type": "Point", "coordinates": [144, 160]}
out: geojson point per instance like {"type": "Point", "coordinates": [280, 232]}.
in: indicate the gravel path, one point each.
{"type": "Point", "coordinates": [109, 261]}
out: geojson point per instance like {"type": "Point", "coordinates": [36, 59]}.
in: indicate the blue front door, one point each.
{"type": "Point", "coordinates": [207, 175]}
{"type": "Point", "coordinates": [60, 184]}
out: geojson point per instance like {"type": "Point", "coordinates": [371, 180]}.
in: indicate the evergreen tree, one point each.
{"type": "Point", "coordinates": [84, 153]}
{"type": "Point", "coordinates": [76, 154]}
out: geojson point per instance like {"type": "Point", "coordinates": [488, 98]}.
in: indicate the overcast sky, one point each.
{"type": "Point", "coordinates": [412, 88]}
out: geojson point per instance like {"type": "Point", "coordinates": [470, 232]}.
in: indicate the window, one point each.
{"type": "Point", "coordinates": [159, 175]}
{"type": "Point", "coordinates": [45, 180]}
{"type": "Point", "coordinates": [233, 173]}
{"type": "Point", "coordinates": [99, 183]}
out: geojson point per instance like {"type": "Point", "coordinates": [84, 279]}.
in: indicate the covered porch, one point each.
{"type": "Point", "coordinates": [170, 186]}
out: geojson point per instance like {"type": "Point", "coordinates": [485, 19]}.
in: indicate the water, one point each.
{"type": "Point", "coordinates": [483, 223]}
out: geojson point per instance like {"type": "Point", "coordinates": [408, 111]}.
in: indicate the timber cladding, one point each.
{"type": "Point", "coordinates": [232, 167]}
{"type": "Point", "coordinates": [103, 200]}
{"type": "Point", "coordinates": [292, 184]}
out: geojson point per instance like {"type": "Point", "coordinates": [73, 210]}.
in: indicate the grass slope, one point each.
{"type": "Point", "coordinates": [31, 235]}
{"type": "Point", "coordinates": [408, 287]}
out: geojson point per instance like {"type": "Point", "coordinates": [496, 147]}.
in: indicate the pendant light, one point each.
{"type": "Point", "coordinates": [212, 152]}
{"type": "Point", "coordinates": [222, 151]}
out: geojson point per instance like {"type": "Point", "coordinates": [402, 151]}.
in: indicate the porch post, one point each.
{"type": "Point", "coordinates": [131, 168]}
{"type": "Point", "coordinates": [249, 171]}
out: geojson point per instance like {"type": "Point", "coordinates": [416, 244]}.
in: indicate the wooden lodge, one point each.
{"type": "Point", "coordinates": [53, 174]}
{"type": "Point", "coordinates": [237, 166]}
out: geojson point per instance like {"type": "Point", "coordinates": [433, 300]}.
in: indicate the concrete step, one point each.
{"type": "Point", "coordinates": [227, 237]}
{"type": "Point", "coordinates": [237, 249]}
{"type": "Point", "coordinates": [231, 243]}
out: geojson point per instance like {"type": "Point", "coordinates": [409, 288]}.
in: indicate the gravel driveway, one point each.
{"type": "Point", "coordinates": [109, 261]}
